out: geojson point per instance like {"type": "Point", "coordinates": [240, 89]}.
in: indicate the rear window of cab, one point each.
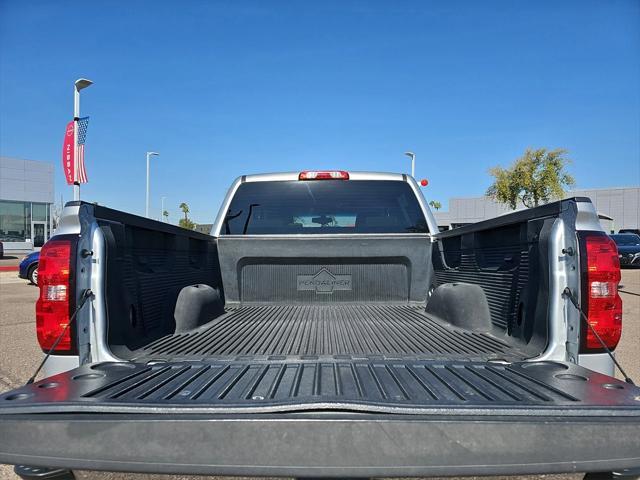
{"type": "Point", "coordinates": [327, 206]}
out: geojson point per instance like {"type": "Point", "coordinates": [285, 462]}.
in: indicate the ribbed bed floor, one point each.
{"type": "Point", "coordinates": [398, 330]}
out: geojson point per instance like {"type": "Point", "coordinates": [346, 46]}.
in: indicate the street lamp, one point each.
{"type": "Point", "coordinates": [79, 84]}
{"type": "Point", "coordinates": [149, 155]}
{"type": "Point", "coordinates": [412, 156]}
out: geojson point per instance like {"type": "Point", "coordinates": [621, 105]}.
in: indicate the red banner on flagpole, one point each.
{"type": "Point", "coordinates": [68, 153]}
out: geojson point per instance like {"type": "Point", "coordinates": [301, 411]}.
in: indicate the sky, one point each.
{"type": "Point", "coordinates": [221, 89]}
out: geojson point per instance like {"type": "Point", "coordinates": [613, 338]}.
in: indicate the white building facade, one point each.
{"type": "Point", "coordinates": [26, 197]}
{"type": "Point", "coordinates": [621, 204]}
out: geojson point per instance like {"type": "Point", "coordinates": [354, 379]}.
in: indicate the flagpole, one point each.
{"type": "Point", "coordinates": [76, 116]}
{"type": "Point", "coordinates": [78, 85]}
{"type": "Point", "coordinates": [146, 208]}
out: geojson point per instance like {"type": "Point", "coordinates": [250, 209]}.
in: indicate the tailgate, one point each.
{"type": "Point", "coordinates": [325, 416]}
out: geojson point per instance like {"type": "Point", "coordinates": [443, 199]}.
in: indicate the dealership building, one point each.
{"type": "Point", "coordinates": [617, 208]}
{"type": "Point", "coordinates": [26, 197]}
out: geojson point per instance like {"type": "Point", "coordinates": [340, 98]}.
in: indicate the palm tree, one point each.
{"type": "Point", "coordinates": [185, 209]}
{"type": "Point", "coordinates": [435, 204]}
{"type": "Point", "coordinates": [165, 214]}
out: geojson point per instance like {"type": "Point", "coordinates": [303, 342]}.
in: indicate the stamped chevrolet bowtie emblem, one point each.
{"type": "Point", "coordinates": [324, 282]}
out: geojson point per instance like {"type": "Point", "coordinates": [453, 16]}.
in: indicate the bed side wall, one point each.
{"type": "Point", "coordinates": [148, 263]}
{"type": "Point", "coordinates": [510, 262]}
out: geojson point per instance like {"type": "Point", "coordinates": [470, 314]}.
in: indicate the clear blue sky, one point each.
{"type": "Point", "coordinates": [226, 88]}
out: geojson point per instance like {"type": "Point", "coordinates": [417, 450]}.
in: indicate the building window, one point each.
{"type": "Point", "coordinates": [15, 221]}
{"type": "Point", "coordinates": [39, 212]}
{"type": "Point", "coordinates": [17, 224]}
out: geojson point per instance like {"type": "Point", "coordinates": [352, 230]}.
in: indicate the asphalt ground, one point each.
{"type": "Point", "coordinates": [20, 354]}
{"type": "Point", "coordinates": [11, 258]}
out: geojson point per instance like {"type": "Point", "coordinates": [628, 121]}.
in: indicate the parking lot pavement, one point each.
{"type": "Point", "coordinates": [20, 355]}
{"type": "Point", "coordinates": [628, 351]}
{"type": "Point", "coordinates": [11, 260]}
{"type": "Point", "coordinates": [20, 352]}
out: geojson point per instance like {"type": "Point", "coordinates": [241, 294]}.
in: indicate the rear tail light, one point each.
{"type": "Point", "coordinates": [55, 304]}
{"type": "Point", "coordinates": [601, 303]}
{"type": "Point", "coordinates": [323, 175]}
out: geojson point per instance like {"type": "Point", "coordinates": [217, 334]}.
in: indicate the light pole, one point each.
{"type": "Point", "coordinates": [79, 84]}
{"type": "Point", "coordinates": [149, 155]}
{"type": "Point", "coordinates": [162, 210]}
{"type": "Point", "coordinates": [412, 156]}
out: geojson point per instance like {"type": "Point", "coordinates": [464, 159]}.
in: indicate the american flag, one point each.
{"type": "Point", "coordinates": [81, 175]}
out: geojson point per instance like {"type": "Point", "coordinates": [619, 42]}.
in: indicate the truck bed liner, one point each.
{"type": "Point", "coordinates": [352, 330]}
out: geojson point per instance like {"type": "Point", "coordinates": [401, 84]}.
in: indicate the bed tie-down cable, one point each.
{"type": "Point", "coordinates": [569, 294]}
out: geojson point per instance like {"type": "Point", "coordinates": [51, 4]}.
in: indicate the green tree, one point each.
{"type": "Point", "coordinates": [186, 222]}
{"type": "Point", "coordinates": [537, 177]}
{"type": "Point", "coordinates": [185, 209]}
{"type": "Point", "coordinates": [165, 214]}
{"type": "Point", "coordinates": [435, 204]}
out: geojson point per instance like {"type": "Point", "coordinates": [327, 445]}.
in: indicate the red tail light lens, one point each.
{"type": "Point", "coordinates": [601, 302]}
{"type": "Point", "coordinates": [55, 304]}
{"type": "Point", "coordinates": [323, 175]}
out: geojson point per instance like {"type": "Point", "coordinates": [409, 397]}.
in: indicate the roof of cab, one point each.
{"type": "Point", "coordinates": [288, 176]}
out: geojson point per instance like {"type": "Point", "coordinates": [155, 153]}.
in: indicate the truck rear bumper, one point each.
{"type": "Point", "coordinates": [598, 362]}
{"type": "Point", "coordinates": [322, 445]}
{"type": "Point", "coordinates": [56, 364]}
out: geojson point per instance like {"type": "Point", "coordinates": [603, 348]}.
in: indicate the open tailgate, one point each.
{"type": "Point", "coordinates": [325, 417]}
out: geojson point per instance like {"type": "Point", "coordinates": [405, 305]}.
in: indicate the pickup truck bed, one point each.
{"type": "Point", "coordinates": [382, 330]}
{"type": "Point", "coordinates": [272, 303]}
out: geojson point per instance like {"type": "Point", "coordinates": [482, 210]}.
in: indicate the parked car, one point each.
{"type": "Point", "coordinates": [628, 249]}
{"type": "Point", "coordinates": [327, 328]}
{"type": "Point", "coordinates": [28, 268]}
